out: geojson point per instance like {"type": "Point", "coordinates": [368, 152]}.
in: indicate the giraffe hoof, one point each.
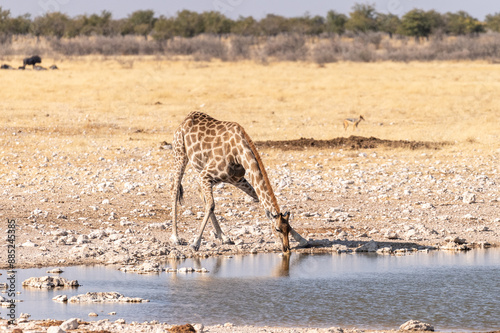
{"type": "Point", "coordinates": [174, 241]}
{"type": "Point", "coordinates": [195, 247]}
{"type": "Point", "coordinates": [227, 241]}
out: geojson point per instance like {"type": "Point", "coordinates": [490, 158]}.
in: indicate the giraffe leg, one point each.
{"type": "Point", "coordinates": [218, 231]}
{"type": "Point", "coordinates": [245, 186]}
{"type": "Point", "coordinates": [181, 161]}
{"type": "Point", "coordinates": [206, 188]}
{"type": "Point", "coordinates": [219, 234]}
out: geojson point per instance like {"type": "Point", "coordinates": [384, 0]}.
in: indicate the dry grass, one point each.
{"type": "Point", "coordinates": [139, 101]}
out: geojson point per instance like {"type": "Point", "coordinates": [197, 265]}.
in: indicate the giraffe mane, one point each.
{"type": "Point", "coordinates": [262, 169]}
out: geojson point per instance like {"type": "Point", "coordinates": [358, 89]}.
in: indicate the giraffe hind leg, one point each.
{"type": "Point", "coordinates": [181, 161]}
{"type": "Point", "coordinates": [206, 188]}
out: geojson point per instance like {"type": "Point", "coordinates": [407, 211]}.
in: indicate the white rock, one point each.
{"type": "Point", "coordinates": [29, 243]}
{"type": "Point", "coordinates": [415, 325]}
{"type": "Point", "coordinates": [391, 235]}
{"type": "Point", "coordinates": [70, 324]}
{"type": "Point", "coordinates": [82, 239]}
{"type": "Point", "coordinates": [60, 298]}
{"type": "Point", "coordinates": [469, 197]}
{"type": "Point", "coordinates": [55, 329]}
{"type": "Point", "coordinates": [188, 212]}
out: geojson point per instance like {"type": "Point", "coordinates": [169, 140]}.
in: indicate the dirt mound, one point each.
{"type": "Point", "coordinates": [352, 142]}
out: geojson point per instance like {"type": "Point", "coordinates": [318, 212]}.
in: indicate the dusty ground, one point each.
{"type": "Point", "coordinates": [86, 208]}
{"type": "Point", "coordinates": [85, 173]}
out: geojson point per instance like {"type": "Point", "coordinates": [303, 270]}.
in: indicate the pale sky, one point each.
{"type": "Point", "coordinates": [234, 8]}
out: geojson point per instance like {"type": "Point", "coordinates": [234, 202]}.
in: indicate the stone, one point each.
{"type": "Point", "coordinates": [182, 329]}
{"type": "Point", "coordinates": [144, 268]}
{"type": "Point", "coordinates": [49, 282]}
{"type": "Point", "coordinates": [29, 243]}
{"type": "Point", "coordinates": [415, 325]}
{"type": "Point", "coordinates": [60, 298]}
{"type": "Point", "coordinates": [456, 240]}
{"type": "Point", "coordinates": [82, 239]}
{"type": "Point", "coordinates": [70, 324]}
{"type": "Point", "coordinates": [55, 271]}
{"type": "Point", "coordinates": [468, 197]}
{"type": "Point", "coordinates": [55, 329]}
{"type": "Point", "coordinates": [93, 314]}
{"type": "Point", "coordinates": [105, 297]}
{"type": "Point", "coordinates": [391, 235]}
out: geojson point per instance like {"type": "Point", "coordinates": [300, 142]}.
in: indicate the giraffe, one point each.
{"type": "Point", "coordinates": [221, 151]}
{"type": "Point", "coordinates": [353, 121]}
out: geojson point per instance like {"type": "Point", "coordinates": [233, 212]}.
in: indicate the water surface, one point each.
{"type": "Point", "coordinates": [452, 291]}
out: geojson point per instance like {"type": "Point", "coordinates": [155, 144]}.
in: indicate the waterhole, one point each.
{"type": "Point", "coordinates": [452, 291]}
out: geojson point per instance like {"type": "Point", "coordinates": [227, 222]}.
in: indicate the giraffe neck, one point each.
{"type": "Point", "coordinates": [260, 181]}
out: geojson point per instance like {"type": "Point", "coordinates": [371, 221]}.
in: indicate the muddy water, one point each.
{"type": "Point", "coordinates": [452, 291]}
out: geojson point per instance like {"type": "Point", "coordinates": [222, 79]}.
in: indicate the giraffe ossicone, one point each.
{"type": "Point", "coordinates": [221, 151]}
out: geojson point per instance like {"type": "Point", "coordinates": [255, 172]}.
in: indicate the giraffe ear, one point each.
{"type": "Point", "coordinates": [287, 216]}
{"type": "Point", "coordinates": [270, 215]}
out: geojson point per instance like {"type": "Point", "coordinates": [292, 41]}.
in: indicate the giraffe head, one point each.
{"type": "Point", "coordinates": [282, 228]}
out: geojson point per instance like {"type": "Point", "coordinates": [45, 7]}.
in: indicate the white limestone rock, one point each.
{"type": "Point", "coordinates": [415, 325]}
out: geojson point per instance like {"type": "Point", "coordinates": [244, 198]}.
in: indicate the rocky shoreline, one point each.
{"type": "Point", "coordinates": [341, 201]}
{"type": "Point", "coordinates": [113, 207]}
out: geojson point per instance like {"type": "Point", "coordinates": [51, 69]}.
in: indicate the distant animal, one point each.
{"type": "Point", "coordinates": [6, 66]}
{"type": "Point", "coordinates": [32, 61]}
{"type": "Point", "coordinates": [353, 121]}
{"type": "Point", "coordinates": [39, 68]}
{"type": "Point", "coordinates": [53, 67]}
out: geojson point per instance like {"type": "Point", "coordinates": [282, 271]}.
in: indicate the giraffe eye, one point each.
{"type": "Point", "coordinates": [278, 230]}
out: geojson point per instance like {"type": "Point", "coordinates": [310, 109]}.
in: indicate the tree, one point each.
{"type": "Point", "coordinates": [245, 26]}
{"type": "Point", "coordinates": [306, 24]}
{"type": "Point", "coordinates": [335, 22]}
{"type": "Point", "coordinates": [388, 23]}
{"type": "Point", "coordinates": [51, 24]}
{"type": "Point", "coordinates": [363, 18]}
{"type": "Point", "coordinates": [416, 23]}
{"type": "Point", "coordinates": [493, 22]}
{"type": "Point", "coordinates": [272, 25]}
{"type": "Point", "coordinates": [189, 24]}
{"type": "Point", "coordinates": [164, 28]}
{"type": "Point", "coordinates": [141, 22]}
{"type": "Point", "coordinates": [93, 25]}
{"type": "Point", "coordinates": [215, 23]}
{"type": "Point", "coordinates": [436, 20]}
{"type": "Point", "coordinates": [461, 23]}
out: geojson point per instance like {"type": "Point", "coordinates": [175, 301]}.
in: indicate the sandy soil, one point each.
{"type": "Point", "coordinates": [113, 206]}
{"type": "Point", "coordinates": [89, 209]}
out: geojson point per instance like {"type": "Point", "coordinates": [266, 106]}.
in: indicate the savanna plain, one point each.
{"type": "Point", "coordinates": [86, 164]}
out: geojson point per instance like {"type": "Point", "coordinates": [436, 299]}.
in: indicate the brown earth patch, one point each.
{"type": "Point", "coordinates": [352, 142]}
